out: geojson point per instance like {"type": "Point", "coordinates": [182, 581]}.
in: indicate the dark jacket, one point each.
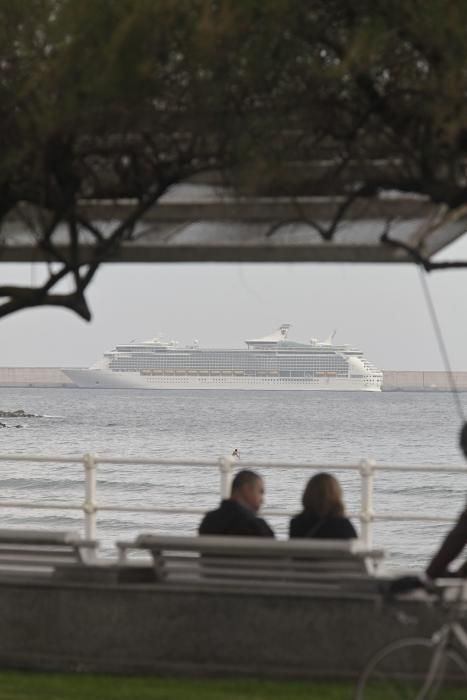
{"type": "Point", "coordinates": [306, 524]}
{"type": "Point", "coordinates": [231, 518]}
{"type": "Point", "coordinates": [452, 546]}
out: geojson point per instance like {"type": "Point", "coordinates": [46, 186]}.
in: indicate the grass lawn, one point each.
{"type": "Point", "coordinates": [51, 686]}
{"type": "Point", "coordinates": [55, 686]}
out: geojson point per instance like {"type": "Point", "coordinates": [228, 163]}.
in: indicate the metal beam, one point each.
{"type": "Point", "coordinates": [206, 225]}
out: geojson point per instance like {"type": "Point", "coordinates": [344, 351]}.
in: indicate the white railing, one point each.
{"type": "Point", "coordinates": [367, 470]}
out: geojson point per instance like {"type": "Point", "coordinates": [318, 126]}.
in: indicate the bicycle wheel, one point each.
{"type": "Point", "coordinates": [408, 669]}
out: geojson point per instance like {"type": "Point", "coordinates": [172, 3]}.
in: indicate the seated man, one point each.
{"type": "Point", "coordinates": [455, 540]}
{"type": "Point", "coordinates": [237, 515]}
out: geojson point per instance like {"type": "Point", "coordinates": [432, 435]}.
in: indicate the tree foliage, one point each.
{"type": "Point", "coordinates": [105, 99]}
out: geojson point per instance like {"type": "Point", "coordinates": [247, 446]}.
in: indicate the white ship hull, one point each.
{"type": "Point", "coordinates": [108, 379]}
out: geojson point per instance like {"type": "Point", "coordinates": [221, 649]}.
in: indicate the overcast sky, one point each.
{"type": "Point", "coordinates": [378, 308]}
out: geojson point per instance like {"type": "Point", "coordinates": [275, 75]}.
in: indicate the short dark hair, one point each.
{"type": "Point", "coordinates": [245, 476]}
{"type": "Point", "coordinates": [323, 496]}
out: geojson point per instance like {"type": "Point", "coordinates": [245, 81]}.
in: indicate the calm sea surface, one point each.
{"type": "Point", "coordinates": [316, 427]}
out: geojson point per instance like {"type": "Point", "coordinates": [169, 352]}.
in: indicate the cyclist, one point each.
{"type": "Point", "coordinates": [455, 540]}
{"type": "Point", "coordinates": [451, 547]}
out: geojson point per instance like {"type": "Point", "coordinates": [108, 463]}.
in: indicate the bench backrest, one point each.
{"type": "Point", "coordinates": [258, 562]}
{"type": "Point", "coordinates": [40, 551]}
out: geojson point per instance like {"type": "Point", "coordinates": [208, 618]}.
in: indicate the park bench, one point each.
{"type": "Point", "coordinates": [41, 552]}
{"type": "Point", "coordinates": [265, 565]}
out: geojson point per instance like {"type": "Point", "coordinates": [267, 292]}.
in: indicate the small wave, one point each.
{"type": "Point", "coordinates": [39, 484]}
{"type": "Point", "coordinates": [128, 486]}
{"type": "Point", "coordinates": [29, 520]}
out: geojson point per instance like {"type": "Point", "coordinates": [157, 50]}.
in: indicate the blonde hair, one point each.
{"type": "Point", "coordinates": [323, 496]}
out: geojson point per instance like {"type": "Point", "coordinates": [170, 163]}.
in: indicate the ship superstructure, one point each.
{"type": "Point", "coordinates": [272, 362]}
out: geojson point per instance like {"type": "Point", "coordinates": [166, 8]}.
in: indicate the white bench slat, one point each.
{"type": "Point", "coordinates": [256, 545]}
{"type": "Point", "coordinates": [40, 551]}
{"type": "Point", "coordinates": [252, 562]}
{"type": "Point", "coordinates": [279, 563]}
{"type": "Point", "coordinates": [59, 537]}
{"type": "Point", "coordinates": [213, 571]}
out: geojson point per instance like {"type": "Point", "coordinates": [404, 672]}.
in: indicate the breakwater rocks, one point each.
{"type": "Point", "coordinates": [17, 414]}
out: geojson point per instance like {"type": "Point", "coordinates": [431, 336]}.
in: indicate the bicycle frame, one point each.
{"type": "Point", "coordinates": [447, 648]}
{"type": "Point", "coordinates": [449, 641]}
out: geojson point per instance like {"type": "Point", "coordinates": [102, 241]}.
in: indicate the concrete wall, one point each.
{"type": "Point", "coordinates": [33, 376]}
{"type": "Point", "coordinates": [422, 381]}
{"type": "Point", "coordinates": [152, 629]}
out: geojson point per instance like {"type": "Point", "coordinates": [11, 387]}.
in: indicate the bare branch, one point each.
{"type": "Point", "coordinates": [424, 262]}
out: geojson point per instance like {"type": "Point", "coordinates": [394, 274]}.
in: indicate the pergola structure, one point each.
{"type": "Point", "coordinates": [206, 223]}
{"type": "Point", "coordinates": [227, 132]}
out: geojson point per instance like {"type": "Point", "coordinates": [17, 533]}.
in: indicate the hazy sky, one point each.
{"type": "Point", "coordinates": [378, 308]}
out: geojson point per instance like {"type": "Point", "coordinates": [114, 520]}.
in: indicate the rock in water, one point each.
{"type": "Point", "coordinates": [17, 414]}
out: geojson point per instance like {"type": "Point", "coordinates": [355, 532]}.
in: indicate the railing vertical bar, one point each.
{"type": "Point", "coordinates": [367, 515]}
{"type": "Point", "coordinates": [89, 505]}
{"type": "Point", "coordinates": [225, 467]}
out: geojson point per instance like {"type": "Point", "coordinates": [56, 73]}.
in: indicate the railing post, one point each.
{"type": "Point", "coordinates": [89, 505]}
{"type": "Point", "coordinates": [367, 515]}
{"type": "Point", "coordinates": [225, 467]}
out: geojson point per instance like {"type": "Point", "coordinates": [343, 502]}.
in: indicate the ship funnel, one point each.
{"type": "Point", "coordinates": [329, 339]}
{"type": "Point", "coordinates": [284, 329]}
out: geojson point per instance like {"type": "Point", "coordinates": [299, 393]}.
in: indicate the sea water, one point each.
{"type": "Point", "coordinates": [312, 427]}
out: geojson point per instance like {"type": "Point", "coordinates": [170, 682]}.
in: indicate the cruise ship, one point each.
{"type": "Point", "coordinates": [272, 363]}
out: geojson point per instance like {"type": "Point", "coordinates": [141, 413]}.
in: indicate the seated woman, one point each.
{"type": "Point", "coordinates": [323, 513]}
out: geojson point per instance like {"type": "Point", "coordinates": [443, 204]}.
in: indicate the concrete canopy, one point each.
{"type": "Point", "coordinates": [202, 223]}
